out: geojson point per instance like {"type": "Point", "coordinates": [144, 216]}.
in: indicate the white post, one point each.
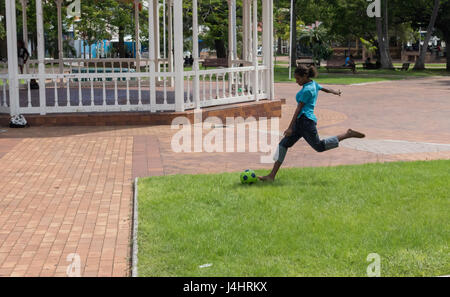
{"type": "Point", "coordinates": [245, 29]}
{"type": "Point", "coordinates": [60, 41]}
{"type": "Point", "coordinates": [290, 40]}
{"type": "Point", "coordinates": [156, 33]}
{"type": "Point", "coordinates": [136, 34]}
{"type": "Point", "coordinates": [272, 40]}
{"type": "Point", "coordinates": [268, 45]}
{"type": "Point", "coordinates": [41, 55]}
{"type": "Point", "coordinates": [195, 54]}
{"type": "Point", "coordinates": [25, 28]}
{"type": "Point", "coordinates": [234, 37]}
{"type": "Point", "coordinates": [164, 34]}
{"type": "Point", "coordinates": [13, 70]}
{"type": "Point", "coordinates": [250, 31]}
{"type": "Point", "coordinates": [231, 81]}
{"type": "Point", "coordinates": [151, 49]}
{"type": "Point", "coordinates": [255, 49]}
{"type": "Point", "coordinates": [170, 37]}
{"type": "Point", "coordinates": [179, 61]}
{"type": "Point", "coordinates": [230, 34]}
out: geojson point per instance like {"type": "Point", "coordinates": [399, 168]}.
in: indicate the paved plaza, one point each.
{"type": "Point", "coordinates": [68, 190]}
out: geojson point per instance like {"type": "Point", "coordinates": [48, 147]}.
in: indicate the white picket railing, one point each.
{"type": "Point", "coordinates": [225, 86]}
{"type": "Point", "coordinates": [114, 85]}
{"type": "Point", "coordinates": [4, 88]}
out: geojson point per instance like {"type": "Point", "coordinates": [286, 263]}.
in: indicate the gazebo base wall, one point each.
{"type": "Point", "coordinates": [261, 109]}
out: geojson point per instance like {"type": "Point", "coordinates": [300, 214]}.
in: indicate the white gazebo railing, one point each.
{"type": "Point", "coordinates": [150, 84]}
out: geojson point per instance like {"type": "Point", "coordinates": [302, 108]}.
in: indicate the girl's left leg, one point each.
{"type": "Point", "coordinates": [312, 137]}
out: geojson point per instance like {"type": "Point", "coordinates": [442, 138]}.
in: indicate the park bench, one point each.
{"type": "Point", "coordinates": [338, 63]}
{"type": "Point", "coordinates": [219, 62]}
{"type": "Point", "coordinates": [307, 61]}
{"type": "Point", "coordinates": [405, 66]}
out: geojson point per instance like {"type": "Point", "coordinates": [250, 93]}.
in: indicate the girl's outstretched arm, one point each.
{"type": "Point", "coordinates": [331, 91]}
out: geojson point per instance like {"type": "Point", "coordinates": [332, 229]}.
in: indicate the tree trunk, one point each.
{"type": "Point", "coordinates": [219, 46]}
{"type": "Point", "coordinates": [447, 42]}
{"type": "Point", "coordinates": [420, 63]}
{"type": "Point", "coordinates": [383, 41]}
{"type": "Point", "coordinates": [448, 57]}
{"type": "Point", "coordinates": [121, 42]}
{"type": "Point", "coordinates": [84, 49]}
{"type": "Point", "coordinates": [279, 53]}
{"type": "Point", "coordinates": [294, 36]}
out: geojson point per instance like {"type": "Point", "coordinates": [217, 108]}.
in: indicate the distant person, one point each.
{"type": "Point", "coordinates": [378, 65]}
{"type": "Point", "coordinates": [350, 62]}
{"type": "Point", "coordinates": [22, 55]}
{"type": "Point", "coordinates": [369, 65]}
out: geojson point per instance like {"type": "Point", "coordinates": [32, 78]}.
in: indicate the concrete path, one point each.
{"type": "Point", "coordinates": [66, 192]}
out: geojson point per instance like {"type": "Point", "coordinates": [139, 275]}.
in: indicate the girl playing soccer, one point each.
{"type": "Point", "coordinates": [304, 121]}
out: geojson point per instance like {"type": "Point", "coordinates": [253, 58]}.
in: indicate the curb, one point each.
{"type": "Point", "coordinates": [134, 249]}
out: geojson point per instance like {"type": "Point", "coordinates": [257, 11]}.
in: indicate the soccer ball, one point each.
{"type": "Point", "coordinates": [248, 177]}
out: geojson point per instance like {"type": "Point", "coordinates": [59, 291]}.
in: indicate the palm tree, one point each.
{"type": "Point", "coordinates": [317, 38]}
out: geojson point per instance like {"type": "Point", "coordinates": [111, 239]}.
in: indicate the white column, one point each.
{"type": "Point", "coordinates": [13, 70]}
{"type": "Point", "coordinates": [170, 38]}
{"type": "Point", "coordinates": [231, 7]}
{"type": "Point", "coordinates": [195, 54]}
{"type": "Point", "coordinates": [255, 49]}
{"type": "Point", "coordinates": [60, 41]}
{"type": "Point", "coordinates": [41, 55]}
{"type": "Point", "coordinates": [268, 45]}
{"type": "Point", "coordinates": [272, 40]}
{"type": "Point", "coordinates": [234, 29]}
{"type": "Point", "coordinates": [250, 30]}
{"type": "Point", "coordinates": [231, 81]}
{"type": "Point", "coordinates": [179, 61]}
{"type": "Point", "coordinates": [136, 34]}
{"type": "Point", "coordinates": [151, 50]}
{"type": "Point", "coordinates": [156, 33]}
{"type": "Point", "coordinates": [25, 28]}
{"type": "Point", "coordinates": [244, 29]}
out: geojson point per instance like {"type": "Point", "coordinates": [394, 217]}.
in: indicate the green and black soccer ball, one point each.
{"type": "Point", "coordinates": [248, 177]}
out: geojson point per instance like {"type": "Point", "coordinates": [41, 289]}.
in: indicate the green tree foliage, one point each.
{"type": "Point", "coordinates": [2, 29]}
{"type": "Point", "coordinates": [213, 14]}
{"type": "Point", "coordinates": [2, 20]}
{"type": "Point", "coordinates": [319, 42]}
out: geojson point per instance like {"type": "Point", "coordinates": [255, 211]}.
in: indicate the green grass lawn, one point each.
{"type": "Point", "coordinates": [346, 77]}
{"type": "Point", "coordinates": [310, 222]}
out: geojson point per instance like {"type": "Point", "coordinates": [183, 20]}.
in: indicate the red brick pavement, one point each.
{"type": "Point", "coordinates": [67, 190]}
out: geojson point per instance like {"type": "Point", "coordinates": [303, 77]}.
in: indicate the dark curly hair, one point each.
{"type": "Point", "coordinates": [310, 72]}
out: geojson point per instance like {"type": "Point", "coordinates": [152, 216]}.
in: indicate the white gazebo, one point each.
{"type": "Point", "coordinates": [156, 83]}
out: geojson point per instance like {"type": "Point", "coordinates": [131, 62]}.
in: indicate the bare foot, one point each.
{"type": "Point", "coordinates": [266, 178]}
{"type": "Point", "coordinates": [355, 134]}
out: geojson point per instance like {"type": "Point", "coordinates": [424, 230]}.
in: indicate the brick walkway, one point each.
{"type": "Point", "coordinates": [66, 190]}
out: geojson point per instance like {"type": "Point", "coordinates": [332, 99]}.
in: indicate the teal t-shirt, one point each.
{"type": "Point", "coordinates": [308, 95]}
